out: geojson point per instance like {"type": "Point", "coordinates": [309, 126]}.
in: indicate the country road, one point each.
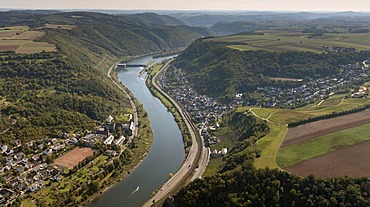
{"type": "Point", "coordinates": [133, 106]}
{"type": "Point", "coordinates": [190, 164]}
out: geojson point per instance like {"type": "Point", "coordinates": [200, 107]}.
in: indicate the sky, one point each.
{"type": "Point", "coordinates": [239, 5]}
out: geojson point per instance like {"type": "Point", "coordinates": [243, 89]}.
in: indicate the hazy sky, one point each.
{"type": "Point", "coordinates": [265, 5]}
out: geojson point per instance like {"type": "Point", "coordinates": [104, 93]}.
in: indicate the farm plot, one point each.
{"type": "Point", "coordinates": [27, 35]}
{"type": "Point", "coordinates": [59, 26]}
{"type": "Point", "coordinates": [352, 161]}
{"type": "Point", "coordinates": [21, 40]}
{"type": "Point", "coordinates": [294, 154]}
{"type": "Point", "coordinates": [273, 40]}
{"type": "Point", "coordinates": [73, 157]}
{"type": "Point", "coordinates": [315, 129]}
{"type": "Point", "coordinates": [35, 47]}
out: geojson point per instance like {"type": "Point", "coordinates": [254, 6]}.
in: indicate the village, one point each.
{"type": "Point", "coordinates": [205, 111]}
{"type": "Point", "coordinates": [315, 89]}
{"type": "Point", "coordinates": [28, 167]}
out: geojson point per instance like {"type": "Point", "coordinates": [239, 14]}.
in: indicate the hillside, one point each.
{"type": "Point", "coordinates": [45, 94]}
{"type": "Point", "coordinates": [153, 18]}
{"type": "Point", "coordinates": [219, 71]}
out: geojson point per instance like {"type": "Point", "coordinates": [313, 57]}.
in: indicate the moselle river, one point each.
{"type": "Point", "coordinates": [166, 154]}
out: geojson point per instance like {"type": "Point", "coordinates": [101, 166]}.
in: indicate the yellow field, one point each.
{"type": "Point", "coordinates": [27, 35]}
{"type": "Point", "coordinates": [59, 26]}
{"type": "Point", "coordinates": [21, 40]}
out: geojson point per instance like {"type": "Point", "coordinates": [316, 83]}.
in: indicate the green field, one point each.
{"type": "Point", "coordinates": [293, 154]}
{"type": "Point", "coordinates": [279, 118]}
{"type": "Point", "coordinates": [270, 145]}
{"type": "Point", "coordinates": [337, 103]}
{"type": "Point", "coordinates": [276, 40]}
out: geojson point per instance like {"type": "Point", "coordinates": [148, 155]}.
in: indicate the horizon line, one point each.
{"type": "Point", "coordinates": [183, 10]}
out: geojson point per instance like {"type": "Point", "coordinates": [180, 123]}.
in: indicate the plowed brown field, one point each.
{"type": "Point", "coordinates": [319, 128]}
{"type": "Point", "coordinates": [353, 161]}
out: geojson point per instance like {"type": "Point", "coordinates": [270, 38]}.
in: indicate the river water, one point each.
{"type": "Point", "coordinates": [166, 154]}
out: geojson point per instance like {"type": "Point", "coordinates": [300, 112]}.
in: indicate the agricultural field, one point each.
{"type": "Point", "coordinates": [312, 130]}
{"type": "Point", "coordinates": [59, 26]}
{"type": "Point", "coordinates": [319, 145]}
{"type": "Point", "coordinates": [281, 137]}
{"type": "Point", "coordinates": [336, 103]}
{"type": "Point", "coordinates": [352, 161]}
{"type": "Point", "coordinates": [22, 40]}
{"type": "Point", "coordinates": [276, 40]}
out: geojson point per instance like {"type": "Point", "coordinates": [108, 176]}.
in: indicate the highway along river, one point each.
{"type": "Point", "coordinates": [166, 154]}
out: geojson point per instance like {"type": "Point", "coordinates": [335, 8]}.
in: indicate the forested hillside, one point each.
{"type": "Point", "coordinates": [48, 93]}
{"type": "Point", "coordinates": [216, 70]}
{"type": "Point", "coordinates": [238, 183]}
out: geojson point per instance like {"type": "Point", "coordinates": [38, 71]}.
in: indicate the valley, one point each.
{"type": "Point", "coordinates": [117, 108]}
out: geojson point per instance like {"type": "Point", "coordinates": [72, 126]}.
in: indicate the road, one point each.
{"type": "Point", "coordinates": [133, 106]}
{"type": "Point", "coordinates": [191, 162]}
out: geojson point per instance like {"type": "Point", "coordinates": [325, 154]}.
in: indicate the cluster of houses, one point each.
{"type": "Point", "coordinates": [25, 168]}
{"type": "Point", "coordinates": [204, 110]}
{"type": "Point", "coordinates": [314, 89]}
{"type": "Point", "coordinates": [207, 111]}
{"type": "Point", "coordinates": [219, 153]}
{"type": "Point", "coordinates": [339, 49]}
{"type": "Point", "coordinates": [104, 135]}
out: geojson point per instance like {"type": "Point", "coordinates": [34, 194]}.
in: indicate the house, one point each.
{"type": "Point", "coordinates": [224, 151]}
{"type": "Point", "coordinates": [109, 140]}
{"type": "Point", "coordinates": [47, 151]}
{"type": "Point", "coordinates": [56, 178]}
{"type": "Point", "coordinates": [40, 146]}
{"type": "Point", "coordinates": [9, 152]}
{"type": "Point", "coordinates": [127, 129]}
{"type": "Point", "coordinates": [120, 140]}
{"type": "Point", "coordinates": [3, 148]}
{"type": "Point", "coordinates": [19, 156]}
{"type": "Point", "coordinates": [109, 119]}
{"type": "Point", "coordinates": [35, 157]}
{"type": "Point", "coordinates": [18, 142]}
{"type": "Point", "coordinates": [20, 169]}
{"type": "Point", "coordinates": [111, 153]}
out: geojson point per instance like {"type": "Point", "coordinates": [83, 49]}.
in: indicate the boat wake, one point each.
{"type": "Point", "coordinates": [136, 190]}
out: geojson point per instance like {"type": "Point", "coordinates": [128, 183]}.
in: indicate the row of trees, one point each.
{"type": "Point", "coordinates": [329, 116]}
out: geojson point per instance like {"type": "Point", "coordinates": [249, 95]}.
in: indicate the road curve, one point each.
{"type": "Point", "coordinates": [191, 162]}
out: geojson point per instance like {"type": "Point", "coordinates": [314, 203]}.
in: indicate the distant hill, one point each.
{"type": "Point", "coordinates": [216, 70]}
{"type": "Point", "coordinates": [227, 28]}
{"type": "Point", "coordinates": [219, 20]}
{"type": "Point", "coordinates": [153, 18]}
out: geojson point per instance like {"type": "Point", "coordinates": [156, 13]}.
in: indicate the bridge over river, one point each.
{"type": "Point", "coordinates": [125, 65]}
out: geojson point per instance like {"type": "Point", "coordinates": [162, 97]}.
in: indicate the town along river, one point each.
{"type": "Point", "coordinates": [165, 156]}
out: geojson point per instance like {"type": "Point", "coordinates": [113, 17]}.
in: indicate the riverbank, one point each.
{"type": "Point", "coordinates": [195, 151]}
{"type": "Point", "coordinates": [142, 138]}
{"type": "Point", "coordinates": [169, 105]}
{"type": "Point", "coordinates": [167, 146]}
